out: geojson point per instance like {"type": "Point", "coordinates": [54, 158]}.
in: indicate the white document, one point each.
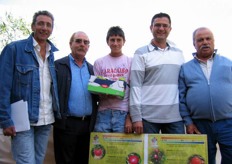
{"type": "Point", "coordinates": [19, 115]}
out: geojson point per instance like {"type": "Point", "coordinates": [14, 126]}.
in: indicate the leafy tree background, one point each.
{"type": "Point", "coordinates": [12, 28]}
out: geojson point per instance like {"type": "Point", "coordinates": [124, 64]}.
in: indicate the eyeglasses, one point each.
{"type": "Point", "coordinates": [158, 25]}
{"type": "Point", "coordinates": [86, 42]}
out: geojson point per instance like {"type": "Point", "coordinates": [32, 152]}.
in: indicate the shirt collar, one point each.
{"type": "Point", "coordinates": [211, 58]}
{"type": "Point", "coordinates": [153, 47]}
{"type": "Point", "coordinates": [72, 59]}
{"type": "Point", "coordinates": [37, 46]}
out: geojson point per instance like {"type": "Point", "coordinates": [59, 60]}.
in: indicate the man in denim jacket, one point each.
{"type": "Point", "coordinates": [27, 73]}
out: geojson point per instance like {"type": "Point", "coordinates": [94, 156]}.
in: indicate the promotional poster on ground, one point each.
{"type": "Point", "coordinates": [111, 148]}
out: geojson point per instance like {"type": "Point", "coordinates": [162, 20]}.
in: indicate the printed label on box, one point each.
{"type": "Point", "coordinates": [105, 86]}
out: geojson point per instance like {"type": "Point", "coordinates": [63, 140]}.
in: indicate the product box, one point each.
{"type": "Point", "coordinates": [99, 84]}
{"type": "Point", "coordinates": [121, 148]}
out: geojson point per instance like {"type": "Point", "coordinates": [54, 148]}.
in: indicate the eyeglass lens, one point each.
{"type": "Point", "coordinates": [86, 42]}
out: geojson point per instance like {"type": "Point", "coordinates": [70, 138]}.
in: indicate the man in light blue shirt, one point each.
{"type": "Point", "coordinates": [78, 107]}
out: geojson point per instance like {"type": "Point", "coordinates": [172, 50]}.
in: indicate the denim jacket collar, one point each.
{"type": "Point", "coordinates": [29, 46]}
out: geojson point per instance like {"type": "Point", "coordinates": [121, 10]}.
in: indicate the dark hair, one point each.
{"type": "Point", "coordinates": [115, 30]}
{"type": "Point", "coordinates": [160, 15]}
{"type": "Point", "coordinates": [44, 12]}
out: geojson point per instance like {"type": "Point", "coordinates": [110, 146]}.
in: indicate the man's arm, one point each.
{"type": "Point", "coordinates": [136, 82]}
{"type": "Point", "coordinates": [6, 75]}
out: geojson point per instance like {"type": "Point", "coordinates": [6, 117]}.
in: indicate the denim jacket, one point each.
{"type": "Point", "coordinates": [19, 74]}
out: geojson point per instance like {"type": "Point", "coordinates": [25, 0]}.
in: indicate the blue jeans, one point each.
{"type": "Point", "coordinates": [165, 128]}
{"type": "Point", "coordinates": [110, 121]}
{"type": "Point", "coordinates": [217, 132]}
{"type": "Point", "coordinates": [29, 147]}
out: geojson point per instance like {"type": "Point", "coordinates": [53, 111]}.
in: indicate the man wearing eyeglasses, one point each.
{"type": "Point", "coordinates": [154, 102]}
{"type": "Point", "coordinates": [77, 105]}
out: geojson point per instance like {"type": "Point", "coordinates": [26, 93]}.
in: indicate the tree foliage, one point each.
{"type": "Point", "coordinates": [12, 29]}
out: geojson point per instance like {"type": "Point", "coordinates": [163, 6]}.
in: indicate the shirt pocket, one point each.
{"type": "Point", "coordinates": [23, 81]}
{"type": "Point", "coordinates": [24, 75]}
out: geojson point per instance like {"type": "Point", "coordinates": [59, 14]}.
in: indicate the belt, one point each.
{"type": "Point", "coordinates": [83, 118]}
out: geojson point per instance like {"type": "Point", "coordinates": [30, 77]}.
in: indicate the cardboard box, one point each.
{"type": "Point", "coordinates": [103, 85]}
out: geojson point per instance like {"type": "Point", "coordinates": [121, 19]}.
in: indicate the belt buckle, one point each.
{"type": "Point", "coordinates": [83, 118]}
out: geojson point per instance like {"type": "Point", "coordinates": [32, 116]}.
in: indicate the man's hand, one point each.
{"type": "Point", "coordinates": [10, 131]}
{"type": "Point", "coordinates": [128, 124]}
{"type": "Point", "coordinates": [192, 129]}
{"type": "Point", "coordinates": [138, 127]}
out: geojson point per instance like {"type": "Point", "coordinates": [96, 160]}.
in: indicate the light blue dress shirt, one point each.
{"type": "Point", "coordinates": [80, 100]}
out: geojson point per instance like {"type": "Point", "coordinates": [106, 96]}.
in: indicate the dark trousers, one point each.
{"type": "Point", "coordinates": [217, 132]}
{"type": "Point", "coordinates": [71, 145]}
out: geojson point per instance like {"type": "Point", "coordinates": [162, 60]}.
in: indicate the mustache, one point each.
{"type": "Point", "coordinates": [205, 46]}
{"type": "Point", "coordinates": [81, 49]}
